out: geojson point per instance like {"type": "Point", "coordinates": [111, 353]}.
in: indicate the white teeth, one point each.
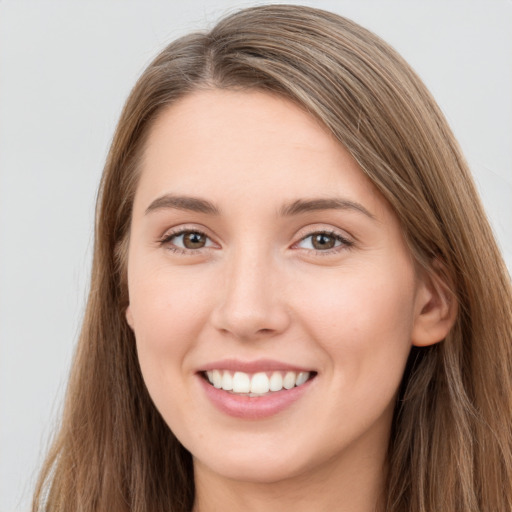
{"type": "Point", "coordinates": [227, 381]}
{"type": "Point", "coordinates": [289, 380]}
{"type": "Point", "coordinates": [260, 383]}
{"type": "Point", "coordinates": [276, 381]}
{"type": "Point", "coordinates": [302, 378]}
{"type": "Point", "coordinates": [241, 382]}
{"type": "Point", "coordinates": [257, 383]}
{"type": "Point", "coordinates": [217, 379]}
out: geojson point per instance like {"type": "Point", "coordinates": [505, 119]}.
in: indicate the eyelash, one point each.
{"type": "Point", "coordinates": [166, 240]}
{"type": "Point", "coordinates": [344, 242]}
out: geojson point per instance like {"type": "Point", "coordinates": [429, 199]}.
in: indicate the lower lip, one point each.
{"type": "Point", "coordinates": [255, 407]}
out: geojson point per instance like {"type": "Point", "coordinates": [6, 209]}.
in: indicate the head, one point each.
{"type": "Point", "coordinates": [371, 103]}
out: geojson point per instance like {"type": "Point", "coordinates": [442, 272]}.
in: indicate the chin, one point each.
{"type": "Point", "coordinates": [258, 470]}
{"type": "Point", "coordinates": [260, 459]}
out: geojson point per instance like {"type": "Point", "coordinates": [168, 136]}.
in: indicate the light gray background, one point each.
{"type": "Point", "coordinates": [66, 68]}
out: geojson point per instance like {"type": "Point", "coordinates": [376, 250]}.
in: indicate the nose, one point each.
{"type": "Point", "coordinates": [251, 302]}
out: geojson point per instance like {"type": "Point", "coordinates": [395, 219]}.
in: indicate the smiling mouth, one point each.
{"type": "Point", "coordinates": [256, 384]}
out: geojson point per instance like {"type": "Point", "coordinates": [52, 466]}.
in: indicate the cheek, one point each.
{"type": "Point", "coordinates": [166, 312]}
{"type": "Point", "coordinates": [363, 320]}
{"type": "Point", "coordinates": [166, 307]}
{"type": "Point", "coordinates": [360, 299]}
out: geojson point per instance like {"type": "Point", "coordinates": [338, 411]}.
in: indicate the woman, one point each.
{"type": "Point", "coordinates": [296, 298]}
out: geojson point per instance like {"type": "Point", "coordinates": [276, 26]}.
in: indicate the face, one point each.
{"type": "Point", "coordinates": [272, 296]}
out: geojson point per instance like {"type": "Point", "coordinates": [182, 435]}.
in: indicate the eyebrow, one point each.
{"type": "Point", "coordinates": [196, 204]}
{"type": "Point", "coordinates": [188, 203]}
{"type": "Point", "coordinates": [333, 203]}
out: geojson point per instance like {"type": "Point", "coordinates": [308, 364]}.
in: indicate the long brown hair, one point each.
{"type": "Point", "coordinates": [451, 443]}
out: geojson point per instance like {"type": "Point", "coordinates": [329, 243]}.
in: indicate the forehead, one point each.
{"type": "Point", "coordinates": [247, 145]}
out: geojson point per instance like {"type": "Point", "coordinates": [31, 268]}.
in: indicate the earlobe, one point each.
{"type": "Point", "coordinates": [436, 310]}
{"type": "Point", "coordinates": [129, 316]}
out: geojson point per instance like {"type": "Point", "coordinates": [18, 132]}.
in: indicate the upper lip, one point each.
{"type": "Point", "coordinates": [258, 365]}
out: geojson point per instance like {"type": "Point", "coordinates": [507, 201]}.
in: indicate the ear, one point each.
{"type": "Point", "coordinates": [436, 308]}
{"type": "Point", "coordinates": [129, 316]}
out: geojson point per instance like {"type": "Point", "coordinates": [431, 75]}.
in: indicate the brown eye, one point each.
{"type": "Point", "coordinates": [322, 241]}
{"type": "Point", "coordinates": [186, 241]}
{"type": "Point", "coordinates": [194, 240]}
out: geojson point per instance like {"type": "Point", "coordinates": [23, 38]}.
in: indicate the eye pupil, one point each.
{"type": "Point", "coordinates": [194, 240]}
{"type": "Point", "coordinates": [323, 241]}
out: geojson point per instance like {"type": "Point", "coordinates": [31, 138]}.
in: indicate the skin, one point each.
{"type": "Point", "coordinates": [259, 289]}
